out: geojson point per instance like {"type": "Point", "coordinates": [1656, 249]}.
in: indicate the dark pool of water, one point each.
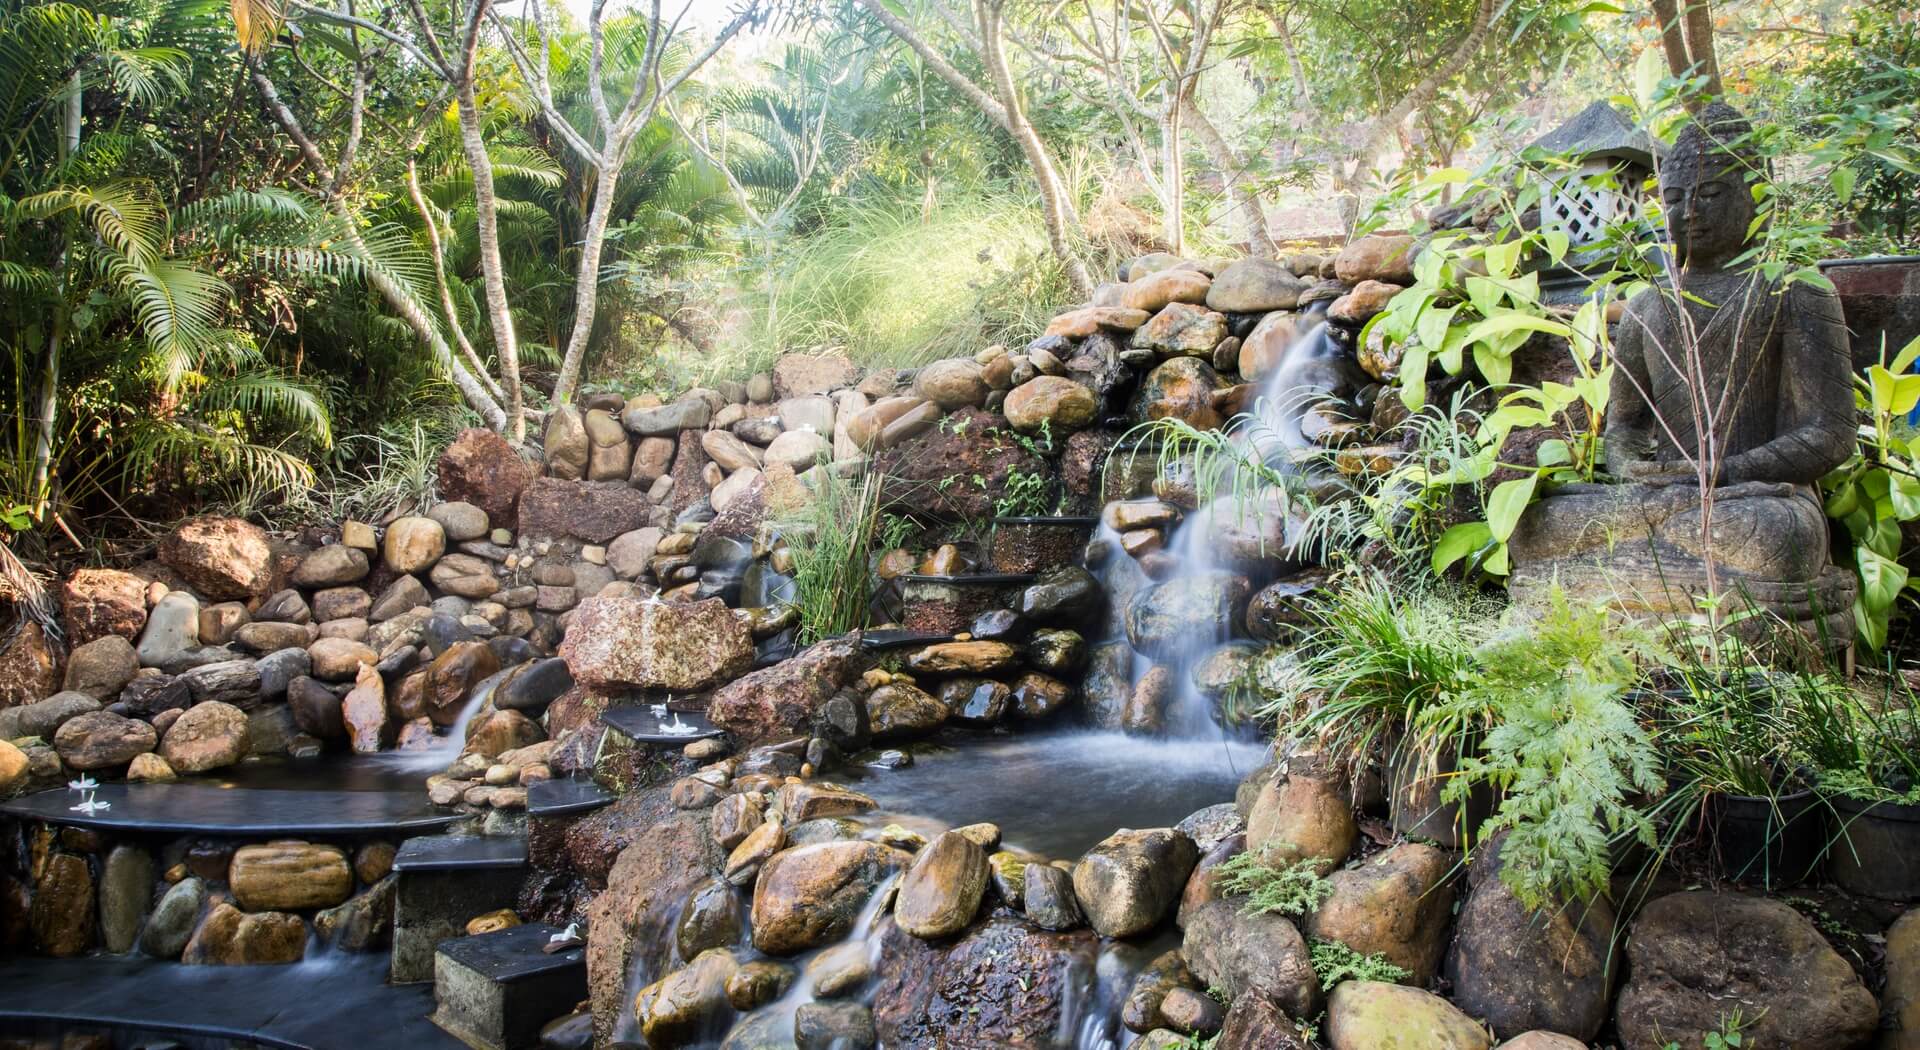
{"type": "Point", "coordinates": [1056, 794]}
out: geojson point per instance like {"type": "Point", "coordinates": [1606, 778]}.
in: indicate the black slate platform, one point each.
{"type": "Point", "coordinates": [192, 808]}
{"type": "Point", "coordinates": [644, 727]}
{"type": "Point", "coordinates": [565, 796]}
{"type": "Point", "coordinates": [513, 954]}
{"type": "Point", "coordinates": [323, 1004]}
{"type": "Point", "coordinates": [452, 852]}
{"type": "Point", "coordinates": [898, 638]}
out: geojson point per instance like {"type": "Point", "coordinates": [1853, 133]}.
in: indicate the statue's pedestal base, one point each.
{"type": "Point", "coordinates": [1673, 590]}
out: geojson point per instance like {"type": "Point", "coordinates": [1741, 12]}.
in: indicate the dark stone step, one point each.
{"type": "Point", "coordinates": [445, 881]}
{"type": "Point", "coordinates": [497, 990]}
{"type": "Point", "coordinates": [565, 796]}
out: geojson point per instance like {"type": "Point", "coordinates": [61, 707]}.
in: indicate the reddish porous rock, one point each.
{"type": "Point", "coordinates": [1004, 984]}
{"type": "Point", "coordinates": [970, 444]}
{"type": "Point", "coordinates": [590, 511]}
{"type": "Point", "coordinates": [98, 602]}
{"type": "Point", "coordinates": [222, 558]}
{"type": "Point", "coordinates": [481, 468]}
{"type": "Point", "coordinates": [29, 668]}
{"type": "Point", "coordinates": [640, 644]}
{"type": "Point", "coordinates": [783, 699]}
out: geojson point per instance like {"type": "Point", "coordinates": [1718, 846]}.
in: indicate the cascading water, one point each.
{"type": "Point", "coordinates": [448, 747]}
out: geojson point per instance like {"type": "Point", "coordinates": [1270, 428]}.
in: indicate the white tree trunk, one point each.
{"type": "Point", "coordinates": [586, 289]}
{"type": "Point", "coordinates": [505, 342]}
{"type": "Point", "coordinates": [1233, 171]}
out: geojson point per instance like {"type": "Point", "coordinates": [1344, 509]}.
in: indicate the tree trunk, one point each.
{"type": "Point", "coordinates": [440, 273]}
{"type": "Point", "coordinates": [1233, 171]}
{"type": "Point", "coordinates": [1174, 173]}
{"type": "Point", "coordinates": [505, 343]}
{"type": "Point", "coordinates": [586, 290]}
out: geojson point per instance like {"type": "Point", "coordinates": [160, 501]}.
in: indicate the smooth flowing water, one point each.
{"type": "Point", "coordinates": [1057, 794]}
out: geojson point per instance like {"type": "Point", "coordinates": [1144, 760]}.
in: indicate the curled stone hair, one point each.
{"type": "Point", "coordinates": [1716, 141]}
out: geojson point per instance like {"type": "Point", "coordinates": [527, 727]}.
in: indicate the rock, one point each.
{"type": "Point", "coordinates": [272, 637]}
{"type": "Point", "coordinates": [1253, 1023]}
{"type": "Point", "coordinates": [1183, 388]}
{"type": "Point", "coordinates": [1542, 1040]}
{"type": "Point", "coordinates": [970, 443]}
{"type": "Point", "coordinates": [220, 557]}
{"type": "Point", "coordinates": [126, 888]}
{"type": "Point", "coordinates": [1518, 970]}
{"type": "Point", "coordinates": [102, 667]}
{"type": "Point", "coordinates": [1253, 286]}
{"type": "Point", "coordinates": [833, 1026]}
{"type": "Point", "coordinates": [1067, 594]}
{"type": "Point", "coordinates": [1277, 611]}
{"type": "Point", "coordinates": [1901, 999]}
{"type": "Point", "coordinates": [1302, 818]}
{"type": "Point", "coordinates": [533, 685]}
{"type": "Point", "coordinates": [1377, 257]}
{"type": "Point", "coordinates": [1003, 984]}
{"type": "Point", "coordinates": [331, 566]}
{"type": "Point", "coordinates": [95, 603]}
{"type": "Point", "coordinates": [609, 455]}
{"type": "Point", "coordinates": [29, 667]}
{"type": "Point", "coordinates": [810, 895]}
{"type": "Point", "coordinates": [102, 740]}
{"type": "Point", "coordinates": [788, 697]}
{"type": "Point", "coordinates": [452, 676]}
{"type": "Point", "coordinates": [565, 443]}
{"type": "Point", "coordinates": [1047, 898]}
{"type": "Point", "coordinates": [206, 736]}
{"type": "Point", "coordinates": [1182, 330]}
{"type": "Point", "coordinates": [480, 468]}
{"type": "Point", "coordinates": [1132, 879]}
{"type": "Point", "coordinates": [1367, 1015]}
{"type": "Point", "coordinates": [500, 732]}
{"type": "Point", "coordinates": [1695, 957]}
{"type": "Point", "coordinates": [589, 511]}
{"type": "Point", "coordinates": [338, 659]}
{"type": "Point", "coordinates": [1058, 404]}
{"type": "Point", "coordinates": [402, 595]}
{"type": "Point", "coordinates": [462, 576]}
{"type": "Point", "coordinates": [1078, 324]}
{"type": "Point", "coordinates": [278, 669]}
{"type": "Point", "coordinates": [229, 937]}
{"type": "Point", "coordinates": [230, 681]}
{"type": "Point", "coordinates": [650, 857]}
{"type": "Point", "coordinates": [1397, 904]}
{"type": "Point", "coordinates": [668, 420]}
{"type": "Point", "coordinates": [218, 622]}
{"type": "Point", "coordinates": [61, 916]}
{"type": "Point", "coordinates": [979, 702]}
{"type": "Point", "coordinates": [673, 1010]}
{"type": "Point", "coordinates": [173, 918]}
{"type": "Point", "coordinates": [364, 921]}
{"type": "Point", "coordinates": [1357, 307]}
{"type": "Point", "coordinates": [1241, 953]}
{"type": "Point", "coordinates": [460, 521]}
{"type": "Point", "coordinates": [676, 646]}
{"type": "Point", "coordinates": [801, 375]}
{"type": "Point", "coordinates": [1161, 976]}
{"type": "Point", "coordinates": [652, 460]}
{"type": "Point", "coordinates": [44, 718]}
{"type": "Point", "coordinates": [1265, 348]}
{"type": "Point", "coordinates": [734, 488]}
{"type": "Point", "coordinates": [799, 803]}
{"type": "Point", "coordinates": [942, 889]}
{"type": "Point", "coordinates": [363, 712]}
{"type": "Point", "coordinates": [1189, 1011]}
{"type": "Point", "coordinates": [288, 876]}
{"type": "Point", "coordinates": [897, 710]}
{"type": "Point", "coordinates": [745, 860]}
{"type": "Point", "coordinates": [413, 544]}
{"type": "Point", "coordinates": [1156, 290]}
{"type": "Point", "coordinates": [13, 767]}
{"type": "Point", "coordinates": [1186, 614]}
{"type": "Point", "coordinates": [172, 628]}
{"type": "Point", "coordinates": [953, 383]}
{"type": "Point", "coordinates": [962, 658]}
{"type": "Point", "coordinates": [730, 452]}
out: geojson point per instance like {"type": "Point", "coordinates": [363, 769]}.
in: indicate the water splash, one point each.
{"type": "Point", "coordinates": [448, 747]}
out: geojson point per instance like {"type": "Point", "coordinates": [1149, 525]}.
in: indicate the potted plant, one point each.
{"type": "Point", "coordinates": [1866, 749]}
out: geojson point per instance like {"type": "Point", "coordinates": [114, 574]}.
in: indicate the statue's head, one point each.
{"type": "Point", "coordinates": [1706, 190]}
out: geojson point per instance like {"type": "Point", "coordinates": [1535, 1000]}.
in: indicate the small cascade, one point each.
{"type": "Point", "coordinates": [448, 746]}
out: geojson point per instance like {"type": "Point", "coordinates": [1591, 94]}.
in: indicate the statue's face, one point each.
{"type": "Point", "coordinates": [1707, 218]}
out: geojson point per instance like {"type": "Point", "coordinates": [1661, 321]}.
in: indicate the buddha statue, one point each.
{"type": "Point", "coordinates": [1725, 367]}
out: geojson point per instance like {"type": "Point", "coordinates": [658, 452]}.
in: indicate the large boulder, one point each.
{"type": "Point", "coordinates": [1254, 286]}
{"type": "Point", "coordinates": [1303, 817]}
{"type": "Point", "coordinates": [1241, 952]}
{"type": "Point", "coordinates": [102, 740]}
{"type": "Point", "coordinates": [29, 667]}
{"type": "Point", "coordinates": [951, 384]}
{"type": "Point", "coordinates": [1004, 985]}
{"type": "Point", "coordinates": [959, 469]}
{"type": "Point", "coordinates": [1397, 904]}
{"type": "Point", "coordinates": [1379, 257]}
{"type": "Point", "coordinates": [206, 736]}
{"type": "Point", "coordinates": [1055, 402]}
{"type": "Point", "coordinates": [810, 895]}
{"type": "Point", "coordinates": [1695, 958]}
{"type": "Point", "coordinates": [222, 558]}
{"type": "Point", "coordinates": [1902, 997]}
{"type": "Point", "coordinates": [102, 667]}
{"type": "Point", "coordinates": [589, 511]}
{"type": "Point", "coordinates": [802, 375]}
{"type": "Point", "coordinates": [99, 602]}
{"type": "Point", "coordinates": [786, 698]}
{"type": "Point", "coordinates": [289, 876]}
{"type": "Point", "coordinates": [1182, 330]}
{"type": "Point", "coordinates": [413, 544]}
{"type": "Point", "coordinates": [1184, 388]}
{"type": "Point", "coordinates": [642, 644]}
{"type": "Point", "coordinates": [1186, 614]}
{"type": "Point", "coordinates": [1519, 970]}
{"type": "Point", "coordinates": [943, 887]}
{"type": "Point", "coordinates": [481, 468]}
{"type": "Point", "coordinates": [1132, 879]}
{"type": "Point", "coordinates": [1370, 1015]}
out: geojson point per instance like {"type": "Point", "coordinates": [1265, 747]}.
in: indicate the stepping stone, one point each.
{"type": "Point", "coordinates": [444, 881]}
{"type": "Point", "coordinates": [497, 990]}
{"type": "Point", "coordinates": [565, 797]}
{"type": "Point", "coordinates": [644, 727]}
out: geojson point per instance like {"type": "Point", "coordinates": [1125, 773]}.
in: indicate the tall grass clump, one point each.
{"type": "Point", "coordinates": [829, 539]}
{"type": "Point", "coordinates": [896, 288]}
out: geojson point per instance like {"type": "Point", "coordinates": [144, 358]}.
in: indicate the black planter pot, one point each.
{"type": "Point", "coordinates": [1876, 849]}
{"type": "Point", "coordinates": [1770, 842]}
{"type": "Point", "coordinates": [1038, 544]}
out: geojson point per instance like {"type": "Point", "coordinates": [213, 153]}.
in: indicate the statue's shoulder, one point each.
{"type": "Point", "coordinates": [1645, 307]}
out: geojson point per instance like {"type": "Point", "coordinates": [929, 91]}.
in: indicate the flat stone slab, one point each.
{"type": "Point", "coordinates": [185, 807]}
{"type": "Point", "coordinates": [460, 852]}
{"type": "Point", "coordinates": [565, 796]}
{"type": "Point", "coordinates": [895, 638]}
{"type": "Point", "coordinates": [645, 727]}
{"type": "Point", "coordinates": [512, 954]}
{"type": "Point", "coordinates": [339, 1000]}
{"type": "Point", "coordinates": [496, 990]}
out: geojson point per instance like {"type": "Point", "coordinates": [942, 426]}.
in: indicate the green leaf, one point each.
{"type": "Point", "coordinates": [1557, 244]}
{"type": "Point", "coordinates": [1843, 179]}
{"type": "Point", "coordinates": [1432, 327]}
{"type": "Point", "coordinates": [1905, 358]}
{"type": "Point", "coordinates": [1502, 258]}
{"type": "Point", "coordinates": [1497, 367]}
{"type": "Point", "coordinates": [1458, 542]}
{"type": "Point", "coordinates": [1508, 323]}
{"type": "Point", "coordinates": [1413, 377]}
{"type": "Point", "coordinates": [1881, 580]}
{"type": "Point", "coordinates": [1553, 452]}
{"type": "Point", "coordinates": [1505, 505]}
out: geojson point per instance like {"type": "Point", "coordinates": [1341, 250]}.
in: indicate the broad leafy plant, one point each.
{"type": "Point", "coordinates": [1878, 490]}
